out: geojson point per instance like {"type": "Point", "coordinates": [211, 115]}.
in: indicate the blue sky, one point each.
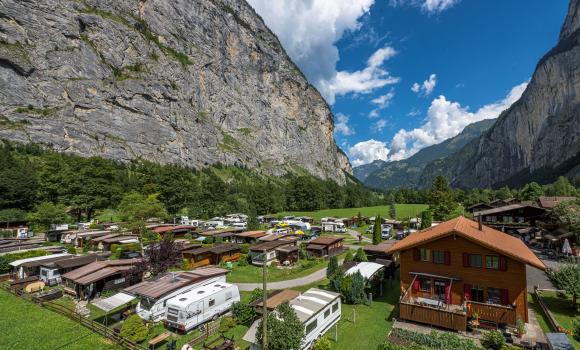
{"type": "Point", "coordinates": [401, 75]}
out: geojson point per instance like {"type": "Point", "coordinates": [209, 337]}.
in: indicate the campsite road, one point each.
{"type": "Point", "coordinates": [313, 277]}
{"type": "Point", "coordinates": [355, 234]}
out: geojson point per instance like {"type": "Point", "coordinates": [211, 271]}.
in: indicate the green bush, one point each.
{"type": "Point", "coordinates": [134, 329]}
{"type": "Point", "coordinates": [71, 249]}
{"type": "Point", "coordinates": [360, 255]}
{"type": "Point", "coordinates": [392, 346]}
{"type": "Point", "coordinates": [208, 240]}
{"type": "Point", "coordinates": [493, 340]}
{"type": "Point", "coordinates": [243, 313]}
{"type": "Point", "coordinates": [576, 328]}
{"type": "Point", "coordinates": [322, 343]}
{"type": "Point", "coordinates": [5, 260]}
{"type": "Point", "coordinates": [188, 236]}
{"type": "Point", "coordinates": [243, 260]}
{"type": "Point", "coordinates": [227, 323]}
{"type": "Point", "coordinates": [436, 340]}
{"type": "Point", "coordinates": [244, 248]}
{"type": "Point", "coordinates": [348, 257]}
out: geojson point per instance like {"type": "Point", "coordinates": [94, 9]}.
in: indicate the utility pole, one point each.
{"type": "Point", "coordinates": [264, 307]}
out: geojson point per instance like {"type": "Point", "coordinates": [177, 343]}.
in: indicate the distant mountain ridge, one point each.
{"type": "Point", "coordinates": [407, 173]}
{"type": "Point", "coordinates": [536, 139]}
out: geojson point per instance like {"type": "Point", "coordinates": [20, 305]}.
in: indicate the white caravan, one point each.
{"type": "Point", "coordinates": [189, 310]}
{"type": "Point", "coordinates": [150, 309]}
{"type": "Point", "coordinates": [337, 227]}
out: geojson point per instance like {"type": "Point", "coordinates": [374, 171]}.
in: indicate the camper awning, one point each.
{"type": "Point", "coordinates": [111, 303]}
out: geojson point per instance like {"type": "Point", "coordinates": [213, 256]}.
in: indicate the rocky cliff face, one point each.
{"type": "Point", "coordinates": [538, 137]}
{"type": "Point", "coordinates": [193, 82]}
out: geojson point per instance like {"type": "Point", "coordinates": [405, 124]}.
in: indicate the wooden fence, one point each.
{"type": "Point", "coordinates": [92, 325]}
{"type": "Point", "coordinates": [211, 328]}
{"type": "Point", "coordinates": [494, 313]}
{"type": "Point", "coordinates": [432, 316]}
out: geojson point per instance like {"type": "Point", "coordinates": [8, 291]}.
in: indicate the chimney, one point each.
{"type": "Point", "coordinates": [480, 223]}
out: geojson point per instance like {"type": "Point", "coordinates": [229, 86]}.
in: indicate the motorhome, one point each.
{"type": "Point", "coordinates": [318, 310]}
{"type": "Point", "coordinates": [330, 226]}
{"type": "Point", "coordinates": [199, 305]}
{"type": "Point", "coordinates": [154, 294]}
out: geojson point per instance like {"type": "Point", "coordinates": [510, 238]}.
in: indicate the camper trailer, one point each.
{"type": "Point", "coordinates": [330, 226]}
{"type": "Point", "coordinates": [208, 302]}
{"type": "Point", "coordinates": [155, 294]}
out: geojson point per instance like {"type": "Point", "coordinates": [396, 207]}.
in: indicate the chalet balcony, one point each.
{"type": "Point", "coordinates": [491, 312]}
{"type": "Point", "coordinates": [450, 318]}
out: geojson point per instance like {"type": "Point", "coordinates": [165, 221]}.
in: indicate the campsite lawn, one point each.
{"type": "Point", "coordinates": [562, 310]}
{"type": "Point", "coordinates": [26, 325]}
{"type": "Point", "coordinates": [403, 211]}
{"type": "Point", "coordinates": [253, 274]}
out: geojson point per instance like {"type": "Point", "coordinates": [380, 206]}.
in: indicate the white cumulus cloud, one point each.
{"type": "Point", "coordinates": [429, 6]}
{"type": "Point", "coordinates": [446, 119]}
{"type": "Point", "coordinates": [309, 29]}
{"type": "Point", "coordinates": [427, 87]}
{"type": "Point", "coordinates": [384, 101]}
{"type": "Point", "coordinates": [341, 125]}
{"type": "Point", "coordinates": [378, 126]}
{"type": "Point", "coordinates": [366, 151]}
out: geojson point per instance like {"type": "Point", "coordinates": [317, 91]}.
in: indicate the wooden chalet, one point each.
{"type": "Point", "coordinates": [248, 237]}
{"type": "Point", "coordinates": [459, 268]}
{"type": "Point", "coordinates": [104, 243]}
{"type": "Point", "coordinates": [101, 276]}
{"type": "Point", "coordinates": [551, 202]}
{"type": "Point", "coordinates": [325, 246]}
{"type": "Point", "coordinates": [275, 299]}
{"type": "Point", "coordinates": [175, 230]}
{"type": "Point", "coordinates": [513, 216]}
{"type": "Point", "coordinates": [279, 251]}
{"type": "Point", "coordinates": [478, 207]}
{"type": "Point", "coordinates": [215, 255]}
{"type": "Point", "coordinates": [52, 270]}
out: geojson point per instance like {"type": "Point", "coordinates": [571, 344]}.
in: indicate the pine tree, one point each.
{"type": "Point", "coordinates": [332, 267]}
{"type": "Point", "coordinates": [360, 256]}
{"type": "Point", "coordinates": [377, 228]}
{"type": "Point", "coordinates": [426, 219]}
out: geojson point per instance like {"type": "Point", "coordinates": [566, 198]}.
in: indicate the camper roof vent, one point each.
{"type": "Point", "coordinates": [200, 292]}
{"type": "Point", "coordinates": [182, 299]}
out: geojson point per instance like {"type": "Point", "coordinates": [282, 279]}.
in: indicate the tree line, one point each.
{"type": "Point", "coordinates": [31, 176]}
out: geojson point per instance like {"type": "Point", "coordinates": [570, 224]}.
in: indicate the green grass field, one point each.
{"type": "Point", "coordinates": [403, 211]}
{"type": "Point", "coordinates": [26, 325]}
{"type": "Point", "coordinates": [562, 310]}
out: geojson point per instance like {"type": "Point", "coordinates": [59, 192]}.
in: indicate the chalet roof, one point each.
{"type": "Point", "coordinates": [218, 249]}
{"type": "Point", "coordinates": [287, 249]}
{"type": "Point", "coordinates": [506, 208]}
{"type": "Point", "coordinates": [469, 229]}
{"type": "Point", "coordinates": [381, 247]}
{"type": "Point", "coordinates": [49, 259]}
{"type": "Point", "coordinates": [266, 246]}
{"type": "Point", "coordinates": [172, 228]}
{"type": "Point", "coordinates": [99, 269]}
{"type": "Point", "coordinates": [118, 239]}
{"type": "Point", "coordinates": [102, 238]}
{"type": "Point", "coordinates": [480, 204]}
{"type": "Point", "coordinates": [74, 261]}
{"type": "Point", "coordinates": [550, 202]}
{"type": "Point", "coordinates": [170, 282]}
{"type": "Point", "coordinates": [251, 234]}
{"type": "Point", "coordinates": [277, 298]}
{"type": "Point", "coordinates": [325, 241]}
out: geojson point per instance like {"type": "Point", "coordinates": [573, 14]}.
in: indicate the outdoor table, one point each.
{"type": "Point", "coordinates": [429, 302]}
{"type": "Point", "coordinates": [158, 339]}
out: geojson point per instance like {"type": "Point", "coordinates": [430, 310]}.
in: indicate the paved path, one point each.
{"type": "Point", "coordinates": [313, 277]}
{"type": "Point", "coordinates": [355, 234]}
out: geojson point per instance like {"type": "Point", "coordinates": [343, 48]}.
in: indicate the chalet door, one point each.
{"type": "Point", "coordinates": [439, 290]}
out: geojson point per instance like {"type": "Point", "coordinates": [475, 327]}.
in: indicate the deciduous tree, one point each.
{"type": "Point", "coordinates": [285, 331]}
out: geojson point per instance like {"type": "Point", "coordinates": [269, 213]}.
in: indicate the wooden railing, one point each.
{"type": "Point", "coordinates": [494, 313]}
{"type": "Point", "coordinates": [436, 317]}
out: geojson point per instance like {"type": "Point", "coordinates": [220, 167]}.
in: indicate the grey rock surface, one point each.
{"type": "Point", "coordinates": [191, 82]}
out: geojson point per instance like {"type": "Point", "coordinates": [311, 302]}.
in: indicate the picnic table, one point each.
{"type": "Point", "coordinates": [158, 339]}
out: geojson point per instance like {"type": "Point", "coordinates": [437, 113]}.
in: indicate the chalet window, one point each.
{"type": "Point", "coordinates": [425, 284]}
{"type": "Point", "coordinates": [119, 280]}
{"type": "Point", "coordinates": [492, 262]}
{"type": "Point", "coordinates": [494, 295]}
{"type": "Point", "coordinates": [311, 326]}
{"type": "Point", "coordinates": [334, 307]}
{"type": "Point", "coordinates": [211, 302]}
{"type": "Point", "coordinates": [477, 294]}
{"type": "Point", "coordinates": [425, 254]}
{"type": "Point", "coordinates": [326, 313]}
{"type": "Point", "coordinates": [475, 260]}
{"type": "Point", "coordinates": [438, 256]}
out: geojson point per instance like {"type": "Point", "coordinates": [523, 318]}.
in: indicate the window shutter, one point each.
{"type": "Point", "coordinates": [465, 260]}
{"type": "Point", "coordinates": [447, 257]}
{"type": "Point", "coordinates": [447, 292]}
{"type": "Point", "coordinates": [505, 297]}
{"type": "Point", "coordinates": [416, 285]}
{"type": "Point", "coordinates": [467, 291]}
{"type": "Point", "coordinates": [502, 263]}
{"type": "Point", "coordinates": [416, 254]}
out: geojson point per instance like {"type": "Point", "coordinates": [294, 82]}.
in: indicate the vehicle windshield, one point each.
{"type": "Point", "coordinates": [147, 303]}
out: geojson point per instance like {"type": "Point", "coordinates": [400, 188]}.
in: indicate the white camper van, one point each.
{"type": "Point", "coordinates": [337, 227]}
{"type": "Point", "coordinates": [208, 302]}
{"type": "Point", "coordinates": [151, 309]}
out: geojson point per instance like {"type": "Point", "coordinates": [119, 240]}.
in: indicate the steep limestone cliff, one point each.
{"type": "Point", "coordinates": [538, 137]}
{"type": "Point", "coordinates": [193, 82]}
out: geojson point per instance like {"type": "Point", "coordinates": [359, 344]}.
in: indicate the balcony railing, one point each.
{"type": "Point", "coordinates": [492, 312]}
{"type": "Point", "coordinates": [456, 320]}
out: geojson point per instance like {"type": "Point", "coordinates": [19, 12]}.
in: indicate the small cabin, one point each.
{"type": "Point", "coordinates": [325, 246]}
{"type": "Point", "coordinates": [278, 251]}
{"type": "Point", "coordinates": [215, 255]}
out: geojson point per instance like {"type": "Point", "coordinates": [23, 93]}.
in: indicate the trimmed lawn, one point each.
{"type": "Point", "coordinates": [563, 311]}
{"type": "Point", "coordinates": [28, 326]}
{"type": "Point", "coordinates": [403, 211]}
{"type": "Point", "coordinates": [253, 274]}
